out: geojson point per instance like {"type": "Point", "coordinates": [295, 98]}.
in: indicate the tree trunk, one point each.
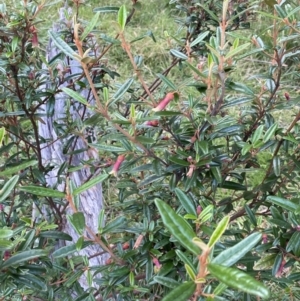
{"type": "Point", "coordinates": [91, 201]}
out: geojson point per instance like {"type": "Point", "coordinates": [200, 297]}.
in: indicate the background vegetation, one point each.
{"type": "Point", "coordinates": [195, 122]}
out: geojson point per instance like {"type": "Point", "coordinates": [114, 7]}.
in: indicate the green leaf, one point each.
{"type": "Point", "coordinates": [239, 280]}
{"type": "Point", "coordinates": [8, 187]}
{"type": "Point", "coordinates": [276, 166]}
{"type": "Point", "coordinates": [89, 184]}
{"type": "Point", "coordinates": [77, 220]}
{"type": "Point", "coordinates": [251, 215]}
{"type": "Point", "coordinates": [6, 244]}
{"type": "Point", "coordinates": [219, 231]}
{"type": "Point", "coordinates": [122, 17]}
{"type": "Point", "coordinates": [217, 174]}
{"type": "Point", "coordinates": [75, 95]}
{"type": "Point", "coordinates": [113, 225]}
{"type": "Point", "coordinates": [257, 134]}
{"type": "Point", "coordinates": [32, 281]}
{"type": "Point", "coordinates": [232, 185]}
{"type": "Point", "coordinates": [68, 250]}
{"type": "Point", "coordinates": [284, 203]}
{"type": "Point", "coordinates": [167, 81]}
{"type": "Point", "coordinates": [178, 54]}
{"type": "Point", "coordinates": [108, 148]}
{"type": "Point", "coordinates": [91, 24]}
{"type": "Point", "coordinates": [42, 191]}
{"type": "Point", "coordinates": [23, 256]}
{"type": "Point", "coordinates": [56, 235]}
{"type": "Point", "coordinates": [182, 292]}
{"type": "Point", "coordinates": [166, 281]}
{"type": "Point", "coordinates": [2, 133]}
{"type": "Point", "coordinates": [236, 50]}
{"type": "Point", "coordinates": [185, 260]}
{"type": "Point", "coordinates": [232, 255]}
{"type": "Point", "coordinates": [107, 9]}
{"type": "Point", "coordinates": [177, 226]}
{"type": "Point", "coordinates": [294, 244]}
{"type": "Point", "coordinates": [63, 46]}
{"type": "Point", "coordinates": [12, 170]}
{"type": "Point", "coordinates": [270, 132]}
{"type": "Point", "coordinates": [190, 272]}
{"type": "Point", "coordinates": [200, 38]}
{"type": "Point", "coordinates": [185, 202]}
{"type": "Point", "coordinates": [122, 90]}
{"type": "Point", "coordinates": [6, 233]}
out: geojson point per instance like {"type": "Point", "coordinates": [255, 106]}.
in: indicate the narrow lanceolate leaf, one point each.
{"type": "Point", "coordinates": [185, 202]}
{"type": "Point", "coordinates": [270, 132]}
{"type": "Point", "coordinates": [22, 257]}
{"type": "Point", "coordinates": [178, 54]}
{"type": "Point", "coordinates": [75, 95]}
{"type": "Point", "coordinates": [219, 231]}
{"type": "Point", "coordinates": [182, 292]}
{"type": "Point", "coordinates": [257, 134]}
{"type": "Point", "coordinates": [113, 225]}
{"type": "Point", "coordinates": [32, 281]}
{"type": "Point", "coordinates": [63, 46]}
{"type": "Point", "coordinates": [77, 220]}
{"type": "Point", "coordinates": [200, 38]}
{"type": "Point", "coordinates": [284, 203]}
{"type": "Point", "coordinates": [6, 244]}
{"type": "Point", "coordinates": [6, 233]}
{"type": "Point", "coordinates": [2, 133]}
{"type": "Point", "coordinates": [56, 235]}
{"type": "Point", "coordinates": [90, 26]}
{"type": "Point", "coordinates": [239, 280]}
{"type": "Point", "coordinates": [167, 81]}
{"type": "Point", "coordinates": [8, 187]}
{"type": "Point", "coordinates": [122, 17]}
{"type": "Point", "coordinates": [276, 166]}
{"type": "Point", "coordinates": [236, 50]}
{"type": "Point", "coordinates": [42, 191]}
{"type": "Point", "coordinates": [107, 9]}
{"type": "Point", "coordinates": [122, 90]}
{"type": "Point", "coordinates": [68, 250]}
{"type": "Point", "coordinates": [166, 281]}
{"type": "Point", "coordinates": [177, 226]}
{"type": "Point", "coordinates": [185, 260]}
{"type": "Point", "coordinates": [13, 170]}
{"type": "Point", "coordinates": [232, 255]}
{"type": "Point", "coordinates": [89, 184]}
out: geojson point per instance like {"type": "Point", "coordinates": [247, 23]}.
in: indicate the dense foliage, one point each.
{"type": "Point", "coordinates": [198, 163]}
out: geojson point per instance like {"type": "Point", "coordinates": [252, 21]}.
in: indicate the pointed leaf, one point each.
{"type": "Point", "coordinates": [239, 280]}
{"type": "Point", "coordinates": [276, 166]}
{"type": "Point", "coordinates": [8, 187]}
{"type": "Point", "coordinates": [63, 46]}
{"type": "Point", "coordinates": [219, 231]}
{"type": "Point", "coordinates": [90, 26]}
{"type": "Point", "coordinates": [179, 54]}
{"type": "Point", "coordinates": [182, 292]}
{"type": "Point", "coordinates": [75, 95]}
{"type": "Point", "coordinates": [166, 281]}
{"type": "Point", "coordinates": [13, 170]}
{"type": "Point", "coordinates": [113, 225]}
{"type": "Point", "coordinates": [200, 38]}
{"type": "Point", "coordinates": [270, 132]}
{"type": "Point", "coordinates": [167, 81]}
{"type": "Point", "coordinates": [185, 202]}
{"type": "Point", "coordinates": [107, 9]}
{"type": "Point", "coordinates": [122, 16]}
{"type": "Point", "coordinates": [2, 133]}
{"type": "Point", "coordinates": [77, 220]}
{"type": "Point", "coordinates": [6, 244]}
{"type": "Point", "coordinates": [23, 256]}
{"type": "Point", "coordinates": [232, 255]}
{"type": "Point", "coordinates": [177, 226]}
{"type": "Point", "coordinates": [122, 90]}
{"type": "Point", "coordinates": [42, 191]}
{"type": "Point", "coordinates": [284, 203]}
{"type": "Point", "coordinates": [89, 184]}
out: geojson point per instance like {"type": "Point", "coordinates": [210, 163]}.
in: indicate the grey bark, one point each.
{"type": "Point", "coordinates": [91, 201]}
